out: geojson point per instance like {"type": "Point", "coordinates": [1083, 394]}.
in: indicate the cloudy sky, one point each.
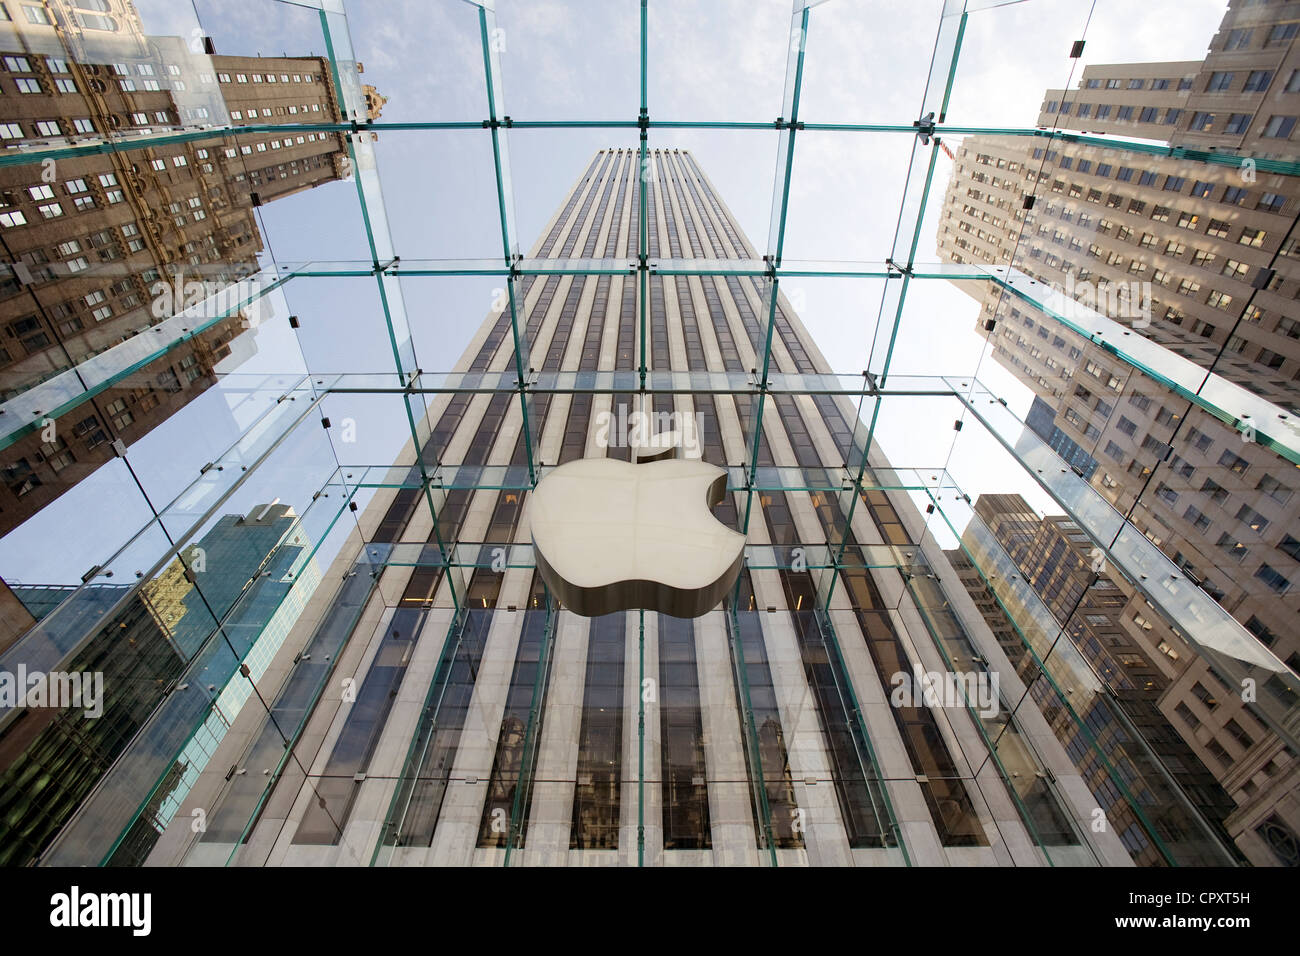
{"type": "Point", "coordinates": [718, 60]}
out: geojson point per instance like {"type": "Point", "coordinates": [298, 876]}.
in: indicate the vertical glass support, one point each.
{"type": "Point", "coordinates": [646, 175]}
{"type": "Point", "coordinates": [749, 732]}
{"type": "Point", "coordinates": [497, 119]}
{"type": "Point", "coordinates": [361, 153]}
{"type": "Point", "coordinates": [532, 736]}
{"type": "Point", "coordinates": [640, 739]}
{"type": "Point", "coordinates": [907, 233]}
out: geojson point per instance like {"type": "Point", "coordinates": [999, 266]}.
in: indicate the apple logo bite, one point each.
{"type": "Point", "coordinates": [610, 536]}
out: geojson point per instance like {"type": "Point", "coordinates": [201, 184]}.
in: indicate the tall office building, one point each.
{"type": "Point", "coordinates": [106, 245]}
{"type": "Point", "coordinates": [1206, 256]}
{"type": "Point", "coordinates": [178, 656]}
{"type": "Point", "coordinates": [775, 729]}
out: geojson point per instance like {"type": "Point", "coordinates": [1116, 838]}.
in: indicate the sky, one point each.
{"type": "Point", "coordinates": [866, 62]}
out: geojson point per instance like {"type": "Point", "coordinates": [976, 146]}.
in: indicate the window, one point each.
{"type": "Point", "coordinates": [1202, 120]}
{"type": "Point", "coordinates": [1252, 237]}
{"type": "Point", "coordinates": [1219, 82]}
{"type": "Point", "coordinates": [36, 15]}
{"type": "Point", "coordinates": [1239, 734]}
{"type": "Point", "coordinates": [1237, 123]}
{"type": "Point", "coordinates": [12, 218]}
{"type": "Point", "coordinates": [1282, 33]}
{"type": "Point", "coordinates": [1198, 520]}
{"type": "Point", "coordinates": [1238, 39]}
{"type": "Point", "coordinates": [1271, 577]}
{"type": "Point", "coordinates": [27, 85]}
{"type": "Point", "coordinates": [1216, 492]}
{"type": "Point", "coordinates": [1271, 202]}
{"type": "Point", "coordinates": [1203, 694]}
{"type": "Point", "coordinates": [1232, 547]}
{"type": "Point", "coordinates": [1173, 116]}
{"type": "Point", "coordinates": [1274, 489]}
{"type": "Point", "coordinates": [117, 412]}
{"type": "Point", "coordinates": [1257, 81]}
{"type": "Point", "coordinates": [1249, 516]}
{"type": "Point", "coordinates": [1221, 755]}
{"type": "Point", "coordinates": [1234, 463]}
{"type": "Point", "coordinates": [1279, 127]}
{"type": "Point", "coordinates": [1217, 228]}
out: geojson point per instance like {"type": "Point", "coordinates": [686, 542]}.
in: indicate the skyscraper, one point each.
{"type": "Point", "coordinates": [440, 719]}
{"type": "Point", "coordinates": [107, 245]}
{"type": "Point", "coordinates": [1201, 259]}
{"type": "Point", "coordinates": [177, 657]}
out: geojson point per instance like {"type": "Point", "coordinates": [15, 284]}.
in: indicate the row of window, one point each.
{"type": "Point", "coordinates": [1278, 126]}
{"type": "Point", "coordinates": [270, 77]}
{"type": "Point", "coordinates": [278, 111]}
{"type": "Point", "coordinates": [1113, 83]}
{"type": "Point", "coordinates": [1200, 189]}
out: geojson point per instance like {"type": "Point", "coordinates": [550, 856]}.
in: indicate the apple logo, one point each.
{"type": "Point", "coordinates": [609, 535]}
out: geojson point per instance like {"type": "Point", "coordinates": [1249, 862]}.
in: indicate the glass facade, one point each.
{"type": "Point", "coordinates": [1005, 392]}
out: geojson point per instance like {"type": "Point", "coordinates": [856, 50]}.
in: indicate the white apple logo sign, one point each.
{"type": "Point", "coordinates": [609, 535]}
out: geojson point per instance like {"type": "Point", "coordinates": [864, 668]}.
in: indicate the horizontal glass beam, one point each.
{"type": "Point", "coordinates": [498, 556]}
{"type": "Point", "coordinates": [133, 140]}
{"type": "Point", "coordinates": [767, 478]}
{"type": "Point", "coordinates": [629, 380]}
